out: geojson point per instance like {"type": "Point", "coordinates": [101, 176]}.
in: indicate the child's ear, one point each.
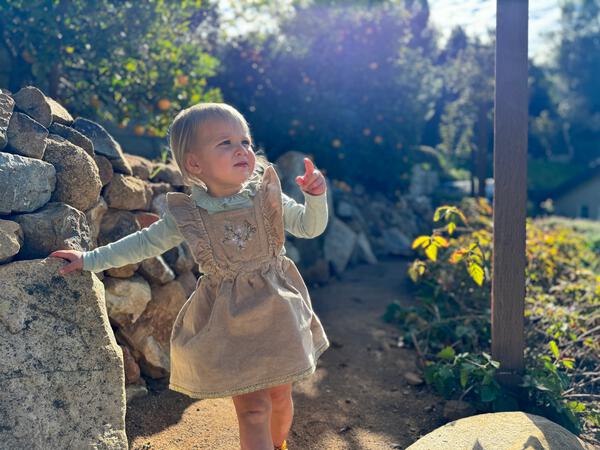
{"type": "Point", "coordinates": [192, 164]}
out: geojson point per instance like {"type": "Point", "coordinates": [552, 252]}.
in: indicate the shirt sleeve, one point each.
{"type": "Point", "coordinates": [146, 243]}
{"type": "Point", "coordinates": [308, 220]}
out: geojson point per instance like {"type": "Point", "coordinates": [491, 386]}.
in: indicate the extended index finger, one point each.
{"type": "Point", "coordinates": [310, 167]}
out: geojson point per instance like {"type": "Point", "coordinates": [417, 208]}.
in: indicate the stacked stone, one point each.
{"type": "Point", "coordinates": [66, 184]}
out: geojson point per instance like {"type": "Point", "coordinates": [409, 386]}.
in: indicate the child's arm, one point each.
{"type": "Point", "coordinates": [152, 241]}
{"type": "Point", "coordinates": [308, 220]}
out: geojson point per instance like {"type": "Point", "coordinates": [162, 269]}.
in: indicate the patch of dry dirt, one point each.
{"type": "Point", "coordinates": [357, 398]}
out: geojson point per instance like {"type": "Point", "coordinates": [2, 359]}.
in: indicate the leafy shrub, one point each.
{"type": "Point", "coordinates": [450, 324]}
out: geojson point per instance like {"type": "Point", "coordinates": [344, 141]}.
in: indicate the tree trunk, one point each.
{"type": "Point", "coordinates": [482, 149]}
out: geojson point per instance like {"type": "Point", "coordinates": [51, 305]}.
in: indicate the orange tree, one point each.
{"type": "Point", "coordinates": [125, 62]}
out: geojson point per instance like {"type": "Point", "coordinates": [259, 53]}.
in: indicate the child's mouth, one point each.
{"type": "Point", "coordinates": [242, 164]}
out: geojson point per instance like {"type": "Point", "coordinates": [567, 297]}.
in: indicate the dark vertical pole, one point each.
{"type": "Point", "coordinates": [510, 188]}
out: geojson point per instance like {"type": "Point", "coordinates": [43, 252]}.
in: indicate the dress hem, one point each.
{"type": "Point", "coordinates": [297, 376]}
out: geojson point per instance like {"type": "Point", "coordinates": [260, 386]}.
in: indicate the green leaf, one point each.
{"type": "Point", "coordinates": [464, 377]}
{"type": "Point", "coordinates": [431, 252]}
{"type": "Point", "coordinates": [554, 349]}
{"type": "Point", "coordinates": [446, 353]}
{"type": "Point", "coordinates": [421, 241]}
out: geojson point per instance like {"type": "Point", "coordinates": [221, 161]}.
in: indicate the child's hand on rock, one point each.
{"type": "Point", "coordinates": [74, 257]}
{"type": "Point", "coordinates": [313, 181]}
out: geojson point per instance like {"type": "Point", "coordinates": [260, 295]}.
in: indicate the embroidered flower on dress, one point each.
{"type": "Point", "coordinates": [238, 235]}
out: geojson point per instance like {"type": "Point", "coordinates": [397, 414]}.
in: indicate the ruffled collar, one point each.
{"type": "Point", "coordinates": [203, 199]}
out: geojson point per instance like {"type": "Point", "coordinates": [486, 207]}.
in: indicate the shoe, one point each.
{"type": "Point", "coordinates": [283, 446]}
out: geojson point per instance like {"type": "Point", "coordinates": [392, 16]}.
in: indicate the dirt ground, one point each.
{"type": "Point", "coordinates": [357, 398]}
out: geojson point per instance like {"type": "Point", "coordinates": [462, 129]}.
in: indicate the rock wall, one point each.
{"type": "Point", "coordinates": [65, 183]}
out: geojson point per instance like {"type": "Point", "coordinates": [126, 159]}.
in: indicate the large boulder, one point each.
{"type": "Point", "coordinates": [104, 144]}
{"type": "Point", "coordinates": [504, 430]}
{"type": "Point", "coordinates": [77, 179]}
{"type": "Point", "coordinates": [56, 226]}
{"type": "Point", "coordinates": [45, 110]}
{"type": "Point", "coordinates": [26, 136]}
{"type": "Point", "coordinates": [156, 270]}
{"type": "Point", "coordinates": [94, 218]}
{"type": "Point", "coordinates": [26, 184]}
{"type": "Point", "coordinates": [105, 169]}
{"type": "Point", "coordinates": [339, 244]}
{"type": "Point", "coordinates": [62, 371]}
{"type": "Point", "coordinates": [7, 105]}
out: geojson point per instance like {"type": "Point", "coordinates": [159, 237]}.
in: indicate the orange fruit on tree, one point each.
{"type": "Point", "coordinates": [164, 104]}
{"type": "Point", "coordinates": [182, 80]}
{"type": "Point", "coordinates": [139, 130]}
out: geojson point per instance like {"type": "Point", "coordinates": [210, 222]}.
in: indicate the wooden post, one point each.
{"type": "Point", "coordinates": [510, 188]}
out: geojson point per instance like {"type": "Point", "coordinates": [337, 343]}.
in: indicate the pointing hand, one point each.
{"type": "Point", "coordinates": [313, 181]}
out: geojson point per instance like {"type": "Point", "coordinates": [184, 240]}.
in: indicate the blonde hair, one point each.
{"type": "Point", "coordinates": [184, 128]}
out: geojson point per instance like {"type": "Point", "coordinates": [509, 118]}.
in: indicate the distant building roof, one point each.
{"type": "Point", "coordinates": [588, 174]}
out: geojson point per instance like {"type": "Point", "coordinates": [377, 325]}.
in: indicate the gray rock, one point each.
{"type": "Point", "coordinates": [73, 136]}
{"type": "Point", "coordinates": [45, 110]}
{"type": "Point", "coordinates": [345, 210]}
{"type": "Point", "coordinates": [77, 179]}
{"type": "Point", "coordinates": [396, 242]}
{"type": "Point", "coordinates": [105, 169]}
{"type": "Point", "coordinates": [116, 224]}
{"type": "Point", "coordinates": [26, 184]}
{"type": "Point", "coordinates": [126, 299]}
{"type": "Point", "coordinates": [125, 192]}
{"type": "Point", "coordinates": [11, 239]}
{"type": "Point", "coordinates": [339, 244]}
{"type": "Point", "coordinates": [56, 226]}
{"type": "Point", "coordinates": [168, 173]}
{"type": "Point", "coordinates": [180, 258]}
{"type": "Point", "coordinates": [134, 391]}
{"type": "Point", "coordinates": [503, 430]}
{"type": "Point", "coordinates": [156, 270]}
{"type": "Point", "coordinates": [26, 136]}
{"type": "Point", "coordinates": [457, 409]}
{"type": "Point", "coordinates": [7, 105]}
{"type": "Point", "coordinates": [62, 371]}
{"type": "Point", "coordinates": [104, 144]}
{"type": "Point", "coordinates": [140, 166]}
{"type": "Point", "coordinates": [289, 166]}
{"type": "Point", "coordinates": [94, 217]}
{"type": "Point", "coordinates": [364, 251]}
{"type": "Point", "coordinates": [124, 271]}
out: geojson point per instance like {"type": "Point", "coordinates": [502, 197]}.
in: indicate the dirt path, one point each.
{"type": "Point", "coordinates": [356, 399]}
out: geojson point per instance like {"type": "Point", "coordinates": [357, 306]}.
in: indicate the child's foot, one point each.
{"type": "Point", "coordinates": [282, 447]}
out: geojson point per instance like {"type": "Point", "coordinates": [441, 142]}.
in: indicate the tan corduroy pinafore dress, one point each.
{"type": "Point", "coordinates": [249, 324]}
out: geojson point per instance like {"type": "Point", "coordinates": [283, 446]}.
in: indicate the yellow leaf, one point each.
{"type": "Point", "coordinates": [421, 241]}
{"type": "Point", "coordinates": [442, 242]}
{"type": "Point", "coordinates": [431, 252]}
{"type": "Point", "coordinates": [476, 273]}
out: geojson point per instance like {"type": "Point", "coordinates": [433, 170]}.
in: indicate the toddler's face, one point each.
{"type": "Point", "coordinates": [223, 157]}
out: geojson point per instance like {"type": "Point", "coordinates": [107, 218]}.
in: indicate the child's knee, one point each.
{"type": "Point", "coordinates": [254, 408]}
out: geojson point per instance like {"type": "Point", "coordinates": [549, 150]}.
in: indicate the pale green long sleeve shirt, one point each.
{"type": "Point", "coordinates": [306, 220]}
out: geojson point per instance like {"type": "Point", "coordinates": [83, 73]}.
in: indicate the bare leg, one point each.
{"type": "Point", "coordinates": [282, 412]}
{"type": "Point", "coordinates": [253, 412]}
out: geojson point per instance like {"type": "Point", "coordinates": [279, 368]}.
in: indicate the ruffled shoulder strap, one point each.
{"type": "Point", "coordinates": [272, 208]}
{"type": "Point", "coordinates": [190, 224]}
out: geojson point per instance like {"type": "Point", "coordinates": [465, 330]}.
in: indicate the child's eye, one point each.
{"type": "Point", "coordinates": [224, 142]}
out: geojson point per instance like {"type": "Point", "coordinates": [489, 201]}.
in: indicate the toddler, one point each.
{"type": "Point", "coordinates": [248, 331]}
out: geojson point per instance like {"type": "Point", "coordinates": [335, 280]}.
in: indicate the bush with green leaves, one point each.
{"type": "Point", "coordinates": [450, 323]}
